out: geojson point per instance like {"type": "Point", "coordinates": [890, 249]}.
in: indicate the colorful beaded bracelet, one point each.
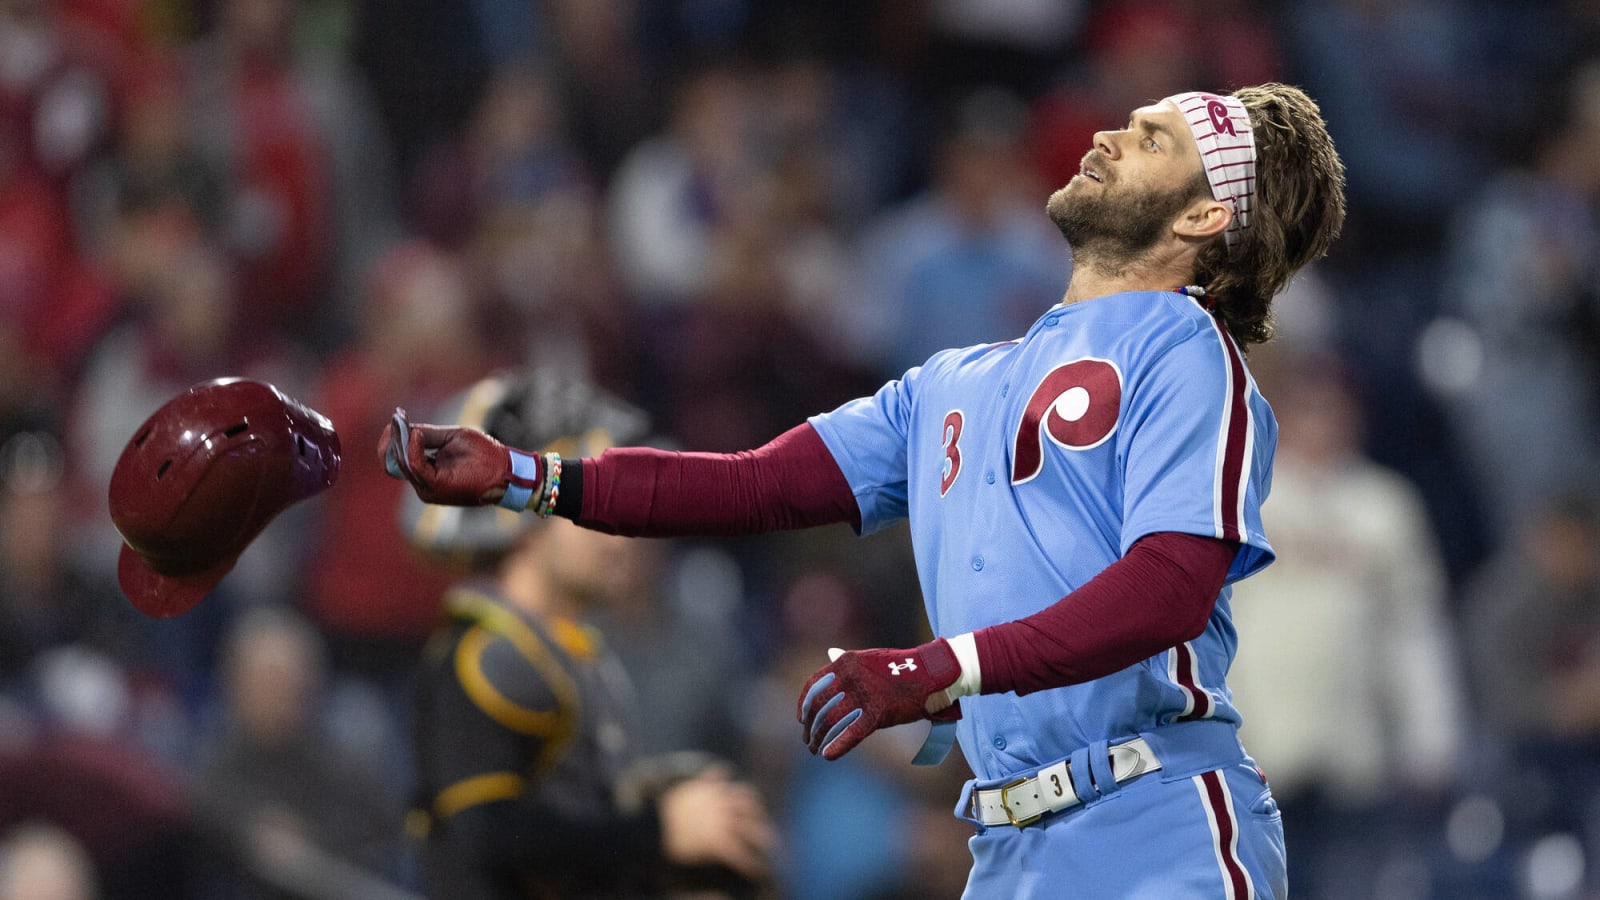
{"type": "Point", "coordinates": [551, 490]}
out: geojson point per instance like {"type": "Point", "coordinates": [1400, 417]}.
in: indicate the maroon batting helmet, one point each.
{"type": "Point", "coordinates": [202, 477]}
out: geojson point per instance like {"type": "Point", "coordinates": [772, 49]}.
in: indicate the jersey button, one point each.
{"type": "Point", "coordinates": [988, 477]}
{"type": "Point", "coordinates": [1051, 321]}
{"type": "Point", "coordinates": [977, 564]}
{"type": "Point", "coordinates": [999, 742]}
{"type": "Point", "coordinates": [1005, 389]}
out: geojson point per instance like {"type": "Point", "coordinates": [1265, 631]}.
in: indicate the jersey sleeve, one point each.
{"type": "Point", "coordinates": [867, 438]}
{"type": "Point", "coordinates": [791, 482]}
{"type": "Point", "coordinates": [1198, 449]}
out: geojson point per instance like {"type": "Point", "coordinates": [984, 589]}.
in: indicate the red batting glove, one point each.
{"type": "Point", "coordinates": [861, 691]}
{"type": "Point", "coordinates": [450, 466]}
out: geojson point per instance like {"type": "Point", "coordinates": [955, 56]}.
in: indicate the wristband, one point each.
{"type": "Point", "coordinates": [942, 736]}
{"type": "Point", "coordinates": [970, 681]}
{"type": "Point", "coordinates": [525, 478]}
{"type": "Point", "coordinates": [552, 485]}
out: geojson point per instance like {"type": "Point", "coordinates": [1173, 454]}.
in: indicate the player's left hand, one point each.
{"type": "Point", "coordinates": [452, 466]}
{"type": "Point", "coordinates": [861, 691]}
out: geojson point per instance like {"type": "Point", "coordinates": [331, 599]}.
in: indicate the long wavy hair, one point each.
{"type": "Point", "coordinates": [1298, 211]}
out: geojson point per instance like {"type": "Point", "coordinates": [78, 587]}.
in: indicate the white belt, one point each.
{"type": "Point", "coordinates": [1024, 801]}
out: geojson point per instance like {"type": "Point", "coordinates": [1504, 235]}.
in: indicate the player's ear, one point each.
{"type": "Point", "coordinates": [1202, 219]}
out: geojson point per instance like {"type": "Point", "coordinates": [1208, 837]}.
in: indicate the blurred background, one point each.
{"type": "Point", "coordinates": [736, 213]}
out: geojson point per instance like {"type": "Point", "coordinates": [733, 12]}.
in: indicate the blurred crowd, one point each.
{"type": "Point", "coordinates": [736, 213]}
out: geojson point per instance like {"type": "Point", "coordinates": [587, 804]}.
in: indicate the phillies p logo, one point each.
{"type": "Point", "coordinates": [1221, 122]}
{"type": "Point", "coordinates": [1076, 406]}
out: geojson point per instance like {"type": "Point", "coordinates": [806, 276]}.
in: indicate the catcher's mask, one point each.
{"type": "Point", "coordinates": [536, 411]}
{"type": "Point", "coordinates": [202, 477]}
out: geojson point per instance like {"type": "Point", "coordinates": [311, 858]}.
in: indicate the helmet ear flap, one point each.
{"type": "Point", "coordinates": [202, 477]}
{"type": "Point", "coordinates": [314, 456]}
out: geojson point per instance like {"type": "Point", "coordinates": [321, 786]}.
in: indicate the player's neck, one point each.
{"type": "Point", "coordinates": [1094, 276]}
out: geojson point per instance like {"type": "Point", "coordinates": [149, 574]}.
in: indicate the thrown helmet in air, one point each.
{"type": "Point", "coordinates": [202, 477]}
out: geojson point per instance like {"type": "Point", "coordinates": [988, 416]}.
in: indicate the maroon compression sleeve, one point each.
{"type": "Point", "coordinates": [792, 482]}
{"type": "Point", "coordinates": [1157, 596]}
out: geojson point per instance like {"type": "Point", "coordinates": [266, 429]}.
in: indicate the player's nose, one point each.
{"type": "Point", "coordinates": [1106, 143]}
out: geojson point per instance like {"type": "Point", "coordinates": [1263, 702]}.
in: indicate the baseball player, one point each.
{"type": "Point", "coordinates": [1079, 499]}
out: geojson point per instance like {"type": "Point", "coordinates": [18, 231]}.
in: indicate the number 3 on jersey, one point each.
{"type": "Point", "coordinates": [1076, 405]}
{"type": "Point", "coordinates": [952, 451]}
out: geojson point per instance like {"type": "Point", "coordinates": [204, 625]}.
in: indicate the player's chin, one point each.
{"type": "Point", "coordinates": [1059, 201]}
{"type": "Point", "coordinates": [1077, 185]}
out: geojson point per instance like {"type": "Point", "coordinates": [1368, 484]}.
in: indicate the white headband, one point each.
{"type": "Point", "coordinates": [1227, 152]}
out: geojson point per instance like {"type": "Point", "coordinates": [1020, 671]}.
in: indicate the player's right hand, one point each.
{"type": "Point", "coordinates": [710, 819]}
{"type": "Point", "coordinates": [861, 691]}
{"type": "Point", "coordinates": [450, 466]}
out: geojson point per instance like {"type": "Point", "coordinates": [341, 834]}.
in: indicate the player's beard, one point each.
{"type": "Point", "coordinates": [1113, 227]}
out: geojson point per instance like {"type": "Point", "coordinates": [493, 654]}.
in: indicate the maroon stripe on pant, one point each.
{"type": "Point", "coordinates": [1227, 833]}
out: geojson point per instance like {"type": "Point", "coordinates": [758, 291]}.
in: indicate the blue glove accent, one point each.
{"type": "Point", "coordinates": [394, 455]}
{"type": "Point", "coordinates": [839, 727]}
{"type": "Point", "coordinates": [811, 729]}
{"type": "Point", "coordinates": [525, 467]}
{"type": "Point", "coordinates": [811, 697]}
{"type": "Point", "coordinates": [936, 746]}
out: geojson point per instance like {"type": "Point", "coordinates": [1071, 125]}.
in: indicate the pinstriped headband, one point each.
{"type": "Point", "coordinates": [1227, 152]}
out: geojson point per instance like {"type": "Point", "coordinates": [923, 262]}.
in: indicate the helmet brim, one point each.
{"type": "Point", "coordinates": [164, 596]}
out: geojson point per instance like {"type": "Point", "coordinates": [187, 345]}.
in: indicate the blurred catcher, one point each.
{"type": "Point", "coordinates": [527, 786]}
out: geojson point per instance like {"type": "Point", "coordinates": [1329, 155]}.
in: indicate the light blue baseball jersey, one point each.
{"type": "Point", "coordinates": [1027, 467]}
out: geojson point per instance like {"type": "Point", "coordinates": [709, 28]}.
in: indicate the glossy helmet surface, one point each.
{"type": "Point", "coordinates": [202, 477]}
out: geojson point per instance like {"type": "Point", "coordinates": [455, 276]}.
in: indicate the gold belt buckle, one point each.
{"type": "Point", "coordinates": [1006, 805]}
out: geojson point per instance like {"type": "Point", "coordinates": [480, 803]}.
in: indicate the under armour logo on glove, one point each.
{"type": "Point", "coordinates": [851, 697]}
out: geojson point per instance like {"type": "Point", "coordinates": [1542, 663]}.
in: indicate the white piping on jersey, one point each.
{"type": "Point", "coordinates": [1183, 670]}
{"type": "Point", "coordinates": [1230, 357]}
{"type": "Point", "coordinates": [1249, 458]}
{"type": "Point", "coordinates": [1222, 447]}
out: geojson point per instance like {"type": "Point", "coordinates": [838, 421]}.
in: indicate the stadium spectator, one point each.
{"type": "Point", "coordinates": [513, 151]}
{"type": "Point", "coordinates": [294, 812]}
{"type": "Point", "coordinates": [676, 190]}
{"type": "Point", "coordinates": [1532, 621]}
{"type": "Point", "coordinates": [79, 756]}
{"type": "Point", "coordinates": [969, 260]}
{"type": "Point", "coordinates": [43, 862]}
{"type": "Point", "coordinates": [309, 184]}
{"type": "Point", "coordinates": [1514, 354]}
